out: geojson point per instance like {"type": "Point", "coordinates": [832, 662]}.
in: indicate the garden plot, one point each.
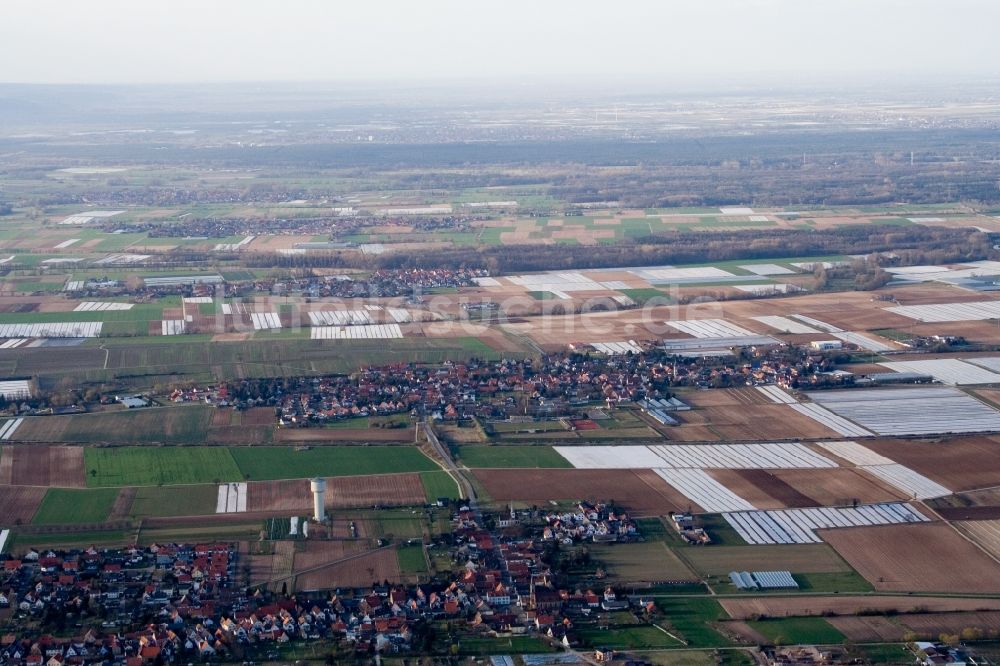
{"type": "Point", "coordinates": [75, 329]}
{"type": "Point", "coordinates": [172, 327]}
{"type": "Point", "coordinates": [767, 289]}
{"type": "Point", "coordinates": [863, 341]}
{"type": "Point", "coordinates": [399, 315]}
{"type": "Point", "coordinates": [948, 371]}
{"type": "Point", "coordinates": [911, 411]}
{"type": "Point", "coordinates": [816, 323]}
{"type": "Point", "coordinates": [8, 428]}
{"type": "Point", "coordinates": [556, 282]}
{"type": "Point", "coordinates": [789, 526]}
{"type": "Point", "coordinates": [85, 218]}
{"type": "Point", "coordinates": [776, 395]}
{"type": "Point", "coordinates": [740, 456]}
{"type": "Point", "coordinates": [703, 490]}
{"type": "Point", "coordinates": [912, 483]}
{"type": "Point", "coordinates": [369, 332]}
{"type": "Point", "coordinates": [670, 275]}
{"type": "Point", "coordinates": [898, 476]}
{"type": "Point", "coordinates": [122, 259]}
{"type": "Point", "coordinates": [263, 321]}
{"type": "Point", "coordinates": [945, 274]}
{"type": "Point", "coordinates": [696, 456]}
{"type": "Point", "coordinates": [854, 453]}
{"type": "Point", "coordinates": [710, 328]}
{"type": "Point", "coordinates": [834, 422]}
{"type": "Point", "coordinates": [339, 317]}
{"type": "Point", "coordinates": [73, 285]}
{"type": "Point", "coordinates": [988, 362]}
{"type": "Point", "coordinates": [233, 247]}
{"type": "Point", "coordinates": [613, 348]}
{"type": "Point", "coordinates": [824, 417]}
{"type": "Point", "coordinates": [63, 260]}
{"type": "Point", "coordinates": [232, 498]}
{"type": "Point", "coordinates": [486, 281]}
{"type": "Point", "coordinates": [767, 269]}
{"type": "Point", "coordinates": [694, 345]}
{"type": "Point", "coordinates": [945, 312]}
{"type": "Point", "coordinates": [813, 265]}
{"type": "Point", "coordinates": [15, 389]}
{"type": "Point", "coordinates": [66, 243]}
{"type": "Point", "coordinates": [197, 300]}
{"type": "Point", "coordinates": [101, 306]}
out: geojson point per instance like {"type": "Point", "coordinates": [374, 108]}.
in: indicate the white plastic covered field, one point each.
{"type": "Point", "coordinates": [369, 332]}
{"type": "Point", "coordinates": [709, 328]}
{"type": "Point", "coordinates": [943, 312]}
{"type": "Point", "coordinates": [780, 455]}
{"type": "Point", "coordinates": [789, 526]}
{"type": "Point", "coordinates": [339, 317]}
{"type": "Point", "coordinates": [911, 411]}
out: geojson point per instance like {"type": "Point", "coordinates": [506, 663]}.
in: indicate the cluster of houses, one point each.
{"type": "Point", "coordinates": [382, 283]}
{"type": "Point", "coordinates": [589, 522]}
{"type": "Point", "coordinates": [507, 389]}
{"type": "Point", "coordinates": [557, 385]}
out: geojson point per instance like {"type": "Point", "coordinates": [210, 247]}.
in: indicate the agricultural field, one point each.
{"type": "Point", "coordinates": [909, 558]}
{"type": "Point", "coordinates": [510, 456]}
{"type": "Point", "coordinates": [178, 425]}
{"type": "Point", "coordinates": [20, 503]}
{"type": "Point", "coordinates": [642, 563]}
{"type": "Point", "coordinates": [717, 560]}
{"type": "Point", "coordinates": [800, 630]}
{"type": "Point", "coordinates": [155, 466]}
{"type": "Point", "coordinates": [63, 505]}
{"type": "Point", "coordinates": [639, 491]}
{"type": "Point", "coordinates": [438, 484]}
{"type": "Point", "coordinates": [166, 501]}
{"type": "Point", "coordinates": [268, 462]}
{"type": "Point", "coordinates": [39, 465]}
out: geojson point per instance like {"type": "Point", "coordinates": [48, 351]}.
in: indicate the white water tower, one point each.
{"type": "Point", "coordinates": [319, 496]}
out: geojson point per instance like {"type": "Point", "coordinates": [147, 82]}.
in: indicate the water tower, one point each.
{"type": "Point", "coordinates": [319, 496]}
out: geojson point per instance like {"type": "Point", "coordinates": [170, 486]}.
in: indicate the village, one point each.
{"type": "Point", "coordinates": [166, 603]}
{"type": "Point", "coordinates": [558, 385]}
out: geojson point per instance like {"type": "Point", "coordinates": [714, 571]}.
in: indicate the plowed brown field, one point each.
{"type": "Point", "coordinates": [39, 465]}
{"type": "Point", "coordinates": [744, 608]}
{"type": "Point", "coordinates": [19, 503]}
{"type": "Point", "coordinates": [637, 490]}
{"type": "Point", "coordinates": [832, 487]}
{"type": "Point", "coordinates": [346, 492]}
{"type": "Point", "coordinates": [914, 557]}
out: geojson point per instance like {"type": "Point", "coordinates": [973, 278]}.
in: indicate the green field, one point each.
{"type": "Point", "coordinates": [511, 456]}
{"type": "Point", "coordinates": [438, 484]}
{"type": "Point", "coordinates": [153, 466]}
{"type": "Point", "coordinates": [411, 559]}
{"type": "Point", "coordinates": [63, 505]}
{"type": "Point", "coordinates": [174, 501]}
{"type": "Point", "coordinates": [397, 523]}
{"type": "Point", "coordinates": [847, 581]}
{"type": "Point", "coordinates": [631, 638]}
{"type": "Point", "coordinates": [794, 630]}
{"type": "Point", "coordinates": [272, 462]}
{"type": "Point", "coordinates": [89, 538]}
{"type": "Point", "coordinates": [512, 645]}
{"type": "Point", "coordinates": [645, 294]}
{"type": "Point", "coordinates": [166, 425]}
{"type": "Point", "coordinates": [692, 619]}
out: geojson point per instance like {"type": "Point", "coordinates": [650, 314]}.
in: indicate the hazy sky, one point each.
{"type": "Point", "coordinates": [136, 41]}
